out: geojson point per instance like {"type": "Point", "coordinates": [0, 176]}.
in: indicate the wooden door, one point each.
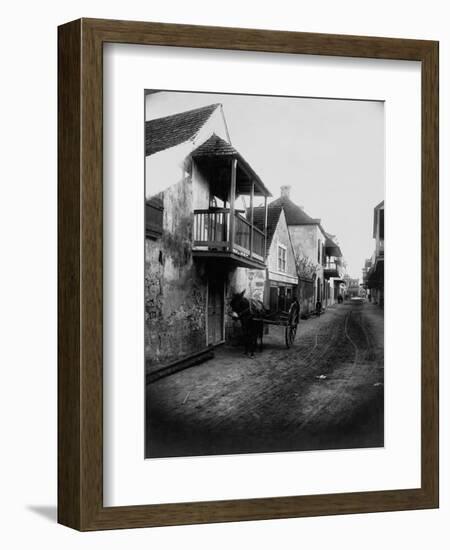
{"type": "Point", "coordinates": [273, 299]}
{"type": "Point", "coordinates": [215, 310]}
{"type": "Point", "coordinates": [282, 298]}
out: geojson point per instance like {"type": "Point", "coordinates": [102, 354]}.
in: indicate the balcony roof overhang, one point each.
{"type": "Point", "coordinates": [334, 251]}
{"type": "Point", "coordinates": [214, 160]}
{"type": "Point", "coordinates": [332, 248]}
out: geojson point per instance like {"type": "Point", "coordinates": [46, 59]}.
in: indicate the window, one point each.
{"type": "Point", "coordinates": [154, 212]}
{"type": "Point", "coordinates": [281, 258]}
{"type": "Point", "coordinates": [318, 251]}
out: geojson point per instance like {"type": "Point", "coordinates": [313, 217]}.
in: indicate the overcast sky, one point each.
{"type": "Point", "coordinates": [330, 151]}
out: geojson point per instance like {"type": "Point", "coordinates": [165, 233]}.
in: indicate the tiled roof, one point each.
{"type": "Point", "coordinates": [169, 131]}
{"type": "Point", "coordinates": [215, 146]}
{"type": "Point", "coordinates": [294, 214]}
{"type": "Point", "coordinates": [273, 217]}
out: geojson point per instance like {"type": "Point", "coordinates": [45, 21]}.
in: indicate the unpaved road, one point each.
{"type": "Point", "coordinates": [325, 392]}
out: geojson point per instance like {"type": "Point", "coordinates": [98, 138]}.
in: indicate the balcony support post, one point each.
{"type": "Point", "coordinates": [252, 194]}
{"type": "Point", "coordinates": [232, 201]}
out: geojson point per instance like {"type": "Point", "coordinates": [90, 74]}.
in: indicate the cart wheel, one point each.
{"type": "Point", "coordinates": [291, 327]}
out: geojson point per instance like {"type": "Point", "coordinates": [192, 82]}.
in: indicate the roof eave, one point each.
{"type": "Point", "coordinates": [252, 174]}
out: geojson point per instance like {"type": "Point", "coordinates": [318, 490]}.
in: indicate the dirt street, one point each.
{"type": "Point", "coordinates": [325, 392]}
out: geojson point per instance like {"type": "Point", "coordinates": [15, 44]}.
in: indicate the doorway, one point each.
{"type": "Point", "coordinates": [216, 309]}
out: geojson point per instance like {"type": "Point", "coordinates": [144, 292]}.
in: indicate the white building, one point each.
{"type": "Point", "coordinates": [308, 240]}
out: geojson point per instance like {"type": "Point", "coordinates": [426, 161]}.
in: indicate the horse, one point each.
{"type": "Point", "coordinates": [250, 313]}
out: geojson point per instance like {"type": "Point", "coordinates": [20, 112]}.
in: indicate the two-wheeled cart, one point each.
{"type": "Point", "coordinates": [288, 319]}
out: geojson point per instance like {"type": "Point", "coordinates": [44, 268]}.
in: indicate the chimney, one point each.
{"type": "Point", "coordinates": [285, 191]}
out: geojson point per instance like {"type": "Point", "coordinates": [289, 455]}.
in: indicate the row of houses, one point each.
{"type": "Point", "coordinates": [373, 271]}
{"type": "Point", "coordinates": [353, 288]}
{"type": "Point", "coordinates": [213, 230]}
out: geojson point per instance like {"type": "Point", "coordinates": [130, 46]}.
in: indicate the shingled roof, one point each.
{"type": "Point", "coordinates": [273, 217]}
{"type": "Point", "coordinates": [294, 214]}
{"type": "Point", "coordinates": [163, 133]}
{"type": "Point", "coordinates": [216, 147]}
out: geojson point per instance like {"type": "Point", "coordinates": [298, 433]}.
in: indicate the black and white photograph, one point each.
{"type": "Point", "coordinates": [264, 273]}
{"type": "Point", "coordinates": [202, 346]}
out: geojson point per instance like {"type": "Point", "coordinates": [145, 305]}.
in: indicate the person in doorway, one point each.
{"type": "Point", "coordinates": [318, 308]}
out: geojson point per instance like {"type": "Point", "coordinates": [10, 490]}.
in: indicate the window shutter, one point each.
{"type": "Point", "coordinates": [154, 211]}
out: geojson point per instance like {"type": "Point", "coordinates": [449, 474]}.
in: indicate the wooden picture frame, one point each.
{"type": "Point", "coordinates": [80, 271]}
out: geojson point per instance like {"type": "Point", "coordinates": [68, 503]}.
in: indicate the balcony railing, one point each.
{"type": "Point", "coordinates": [332, 264]}
{"type": "Point", "coordinates": [332, 268]}
{"type": "Point", "coordinates": [212, 231]}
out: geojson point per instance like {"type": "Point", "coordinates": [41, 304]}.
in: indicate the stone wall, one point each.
{"type": "Point", "coordinates": [306, 296]}
{"type": "Point", "coordinates": [305, 241]}
{"type": "Point", "coordinates": [175, 286]}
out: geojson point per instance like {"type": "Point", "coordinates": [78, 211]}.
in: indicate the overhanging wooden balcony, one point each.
{"type": "Point", "coordinates": [226, 233]}
{"type": "Point", "coordinates": [221, 235]}
{"type": "Point", "coordinates": [332, 268]}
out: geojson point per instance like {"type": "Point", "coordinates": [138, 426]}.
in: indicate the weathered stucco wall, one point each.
{"type": "Point", "coordinates": [252, 280]}
{"type": "Point", "coordinates": [166, 168]}
{"type": "Point", "coordinates": [200, 189]}
{"type": "Point", "coordinates": [306, 296]}
{"type": "Point", "coordinates": [305, 240]}
{"type": "Point", "coordinates": [175, 287]}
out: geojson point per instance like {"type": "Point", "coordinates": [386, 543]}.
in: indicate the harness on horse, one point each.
{"type": "Point", "coordinates": [246, 310]}
{"type": "Point", "coordinates": [243, 312]}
